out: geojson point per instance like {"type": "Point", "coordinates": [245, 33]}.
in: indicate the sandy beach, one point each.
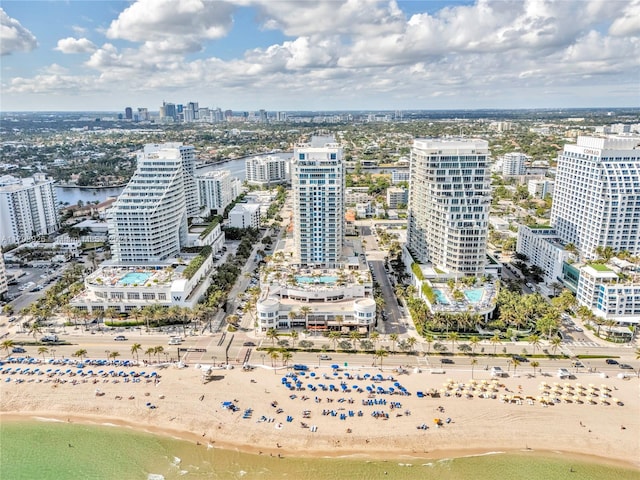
{"type": "Point", "coordinates": [592, 416]}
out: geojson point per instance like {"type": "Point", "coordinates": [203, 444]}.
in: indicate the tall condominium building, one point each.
{"type": "Point", "coordinates": [188, 156]}
{"type": "Point", "coordinates": [215, 190]}
{"type": "Point", "coordinates": [4, 288]}
{"type": "Point", "coordinates": [318, 202]}
{"type": "Point", "coordinates": [513, 163]}
{"type": "Point", "coordinates": [449, 200]}
{"type": "Point", "coordinates": [148, 222]}
{"type": "Point", "coordinates": [596, 198]}
{"type": "Point", "coordinates": [27, 208]}
{"type": "Point", "coordinates": [266, 170]}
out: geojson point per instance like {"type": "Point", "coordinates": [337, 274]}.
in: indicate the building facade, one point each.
{"type": "Point", "coordinates": [449, 200]}
{"type": "Point", "coordinates": [28, 208]}
{"type": "Point", "coordinates": [596, 201]}
{"type": "Point", "coordinates": [544, 249]}
{"type": "Point", "coordinates": [540, 188]}
{"type": "Point", "coordinates": [318, 180]}
{"type": "Point", "coordinates": [397, 196]}
{"type": "Point", "coordinates": [245, 215]}
{"type": "Point", "coordinates": [266, 170]}
{"type": "Point", "coordinates": [215, 190]}
{"type": "Point", "coordinates": [148, 222]}
{"type": "Point", "coordinates": [610, 295]}
{"type": "Point", "coordinates": [513, 164]}
{"type": "Point", "coordinates": [4, 287]}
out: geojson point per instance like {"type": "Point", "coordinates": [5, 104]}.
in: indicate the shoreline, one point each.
{"type": "Point", "coordinates": [474, 416]}
{"type": "Point", "coordinates": [369, 455]}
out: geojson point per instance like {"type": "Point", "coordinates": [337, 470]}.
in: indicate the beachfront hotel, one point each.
{"type": "Point", "coordinates": [148, 222]}
{"type": "Point", "coordinates": [28, 208]}
{"type": "Point", "coordinates": [448, 221]}
{"type": "Point", "coordinates": [596, 199]}
{"type": "Point", "coordinates": [216, 190]}
{"type": "Point", "coordinates": [315, 279]}
{"type": "Point", "coordinates": [148, 231]}
{"type": "Point", "coordinates": [449, 200]}
{"type": "Point", "coordinates": [318, 178]}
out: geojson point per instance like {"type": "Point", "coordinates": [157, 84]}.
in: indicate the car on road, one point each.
{"type": "Point", "coordinates": [611, 361]}
{"type": "Point", "coordinates": [625, 366]}
{"type": "Point", "coordinates": [49, 339]}
{"type": "Point", "coordinates": [325, 357]}
{"type": "Point", "coordinates": [578, 364]}
{"type": "Point", "coordinates": [520, 358]}
{"type": "Point", "coordinates": [18, 350]}
{"type": "Point", "coordinates": [120, 338]}
{"type": "Point", "coordinates": [446, 360]}
{"type": "Point", "coordinates": [248, 344]}
{"type": "Point", "coordinates": [578, 329]}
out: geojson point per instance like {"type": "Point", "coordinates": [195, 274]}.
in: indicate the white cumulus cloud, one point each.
{"type": "Point", "coordinates": [14, 37]}
{"type": "Point", "coordinates": [75, 45]}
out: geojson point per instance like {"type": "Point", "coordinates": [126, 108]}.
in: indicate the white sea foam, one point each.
{"type": "Point", "coordinates": [482, 454]}
{"type": "Point", "coordinates": [155, 476]}
{"type": "Point", "coordinates": [46, 419]}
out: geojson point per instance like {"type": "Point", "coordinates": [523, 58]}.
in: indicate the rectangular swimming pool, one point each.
{"type": "Point", "coordinates": [321, 279]}
{"type": "Point", "coordinates": [134, 277]}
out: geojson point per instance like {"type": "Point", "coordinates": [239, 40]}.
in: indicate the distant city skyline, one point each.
{"type": "Point", "coordinates": [287, 55]}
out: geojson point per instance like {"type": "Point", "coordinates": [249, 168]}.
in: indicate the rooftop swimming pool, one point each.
{"type": "Point", "coordinates": [475, 295]}
{"type": "Point", "coordinates": [440, 297]}
{"type": "Point", "coordinates": [134, 278]}
{"type": "Point", "coordinates": [321, 279]}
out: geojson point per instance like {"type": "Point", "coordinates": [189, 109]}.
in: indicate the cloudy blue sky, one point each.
{"type": "Point", "coordinates": [319, 54]}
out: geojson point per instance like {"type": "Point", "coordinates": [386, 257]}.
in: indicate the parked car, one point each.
{"type": "Point", "coordinates": [18, 350]}
{"type": "Point", "coordinates": [611, 361]}
{"type": "Point", "coordinates": [578, 329]}
{"type": "Point", "coordinates": [120, 338]}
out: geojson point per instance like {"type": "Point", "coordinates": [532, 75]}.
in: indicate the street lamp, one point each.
{"type": "Point", "coordinates": [53, 353]}
{"type": "Point", "coordinates": [107, 352]}
{"type": "Point", "coordinates": [318, 361]}
{"type": "Point", "coordinates": [262, 355]}
{"type": "Point", "coordinates": [214, 360]}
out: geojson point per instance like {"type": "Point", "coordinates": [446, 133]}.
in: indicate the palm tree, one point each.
{"type": "Point", "coordinates": [374, 336]}
{"type": "Point", "coordinates": [354, 335]}
{"type": "Point", "coordinates": [286, 356]}
{"type": "Point", "coordinates": [535, 365]}
{"type": "Point", "coordinates": [534, 340]}
{"type": "Point", "coordinates": [114, 355]}
{"type": "Point", "coordinates": [555, 344]}
{"type": "Point", "coordinates": [294, 336]}
{"type": "Point", "coordinates": [474, 362]}
{"type": "Point", "coordinates": [6, 345]}
{"type": "Point", "coordinates": [81, 353]}
{"type": "Point", "coordinates": [135, 348]}
{"type": "Point", "coordinates": [411, 343]}
{"type": "Point", "coordinates": [429, 339]}
{"type": "Point", "coordinates": [35, 329]}
{"type": "Point", "coordinates": [515, 362]}
{"type": "Point", "coordinates": [394, 338]}
{"type": "Point", "coordinates": [273, 355]}
{"type": "Point", "coordinates": [306, 311]}
{"type": "Point", "coordinates": [453, 336]}
{"type": "Point", "coordinates": [157, 351]}
{"type": "Point", "coordinates": [42, 351]}
{"type": "Point", "coordinates": [273, 334]}
{"type": "Point", "coordinates": [381, 354]}
{"type": "Point", "coordinates": [334, 335]}
{"type": "Point", "coordinates": [495, 340]}
{"type": "Point", "coordinates": [474, 341]}
{"type": "Point", "coordinates": [150, 351]}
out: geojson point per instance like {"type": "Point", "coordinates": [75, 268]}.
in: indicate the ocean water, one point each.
{"type": "Point", "coordinates": [59, 451]}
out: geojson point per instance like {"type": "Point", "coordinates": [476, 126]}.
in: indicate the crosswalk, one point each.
{"type": "Point", "coordinates": [583, 344]}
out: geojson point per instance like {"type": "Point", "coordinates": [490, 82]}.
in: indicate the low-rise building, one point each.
{"type": "Point", "coordinates": [540, 188]}
{"type": "Point", "coordinates": [397, 197]}
{"type": "Point", "coordinates": [245, 215]}
{"type": "Point", "coordinates": [543, 248]}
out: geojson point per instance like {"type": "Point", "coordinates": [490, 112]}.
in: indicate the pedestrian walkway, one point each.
{"type": "Point", "coordinates": [583, 344]}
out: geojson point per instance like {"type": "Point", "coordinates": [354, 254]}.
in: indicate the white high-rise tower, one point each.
{"type": "Point", "coordinates": [449, 200]}
{"type": "Point", "coordinates": [148, 222]}
{"type": "Point", "coordinates": [596, 199]}
{"type": "Point", "coordinates": [318, 202]}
